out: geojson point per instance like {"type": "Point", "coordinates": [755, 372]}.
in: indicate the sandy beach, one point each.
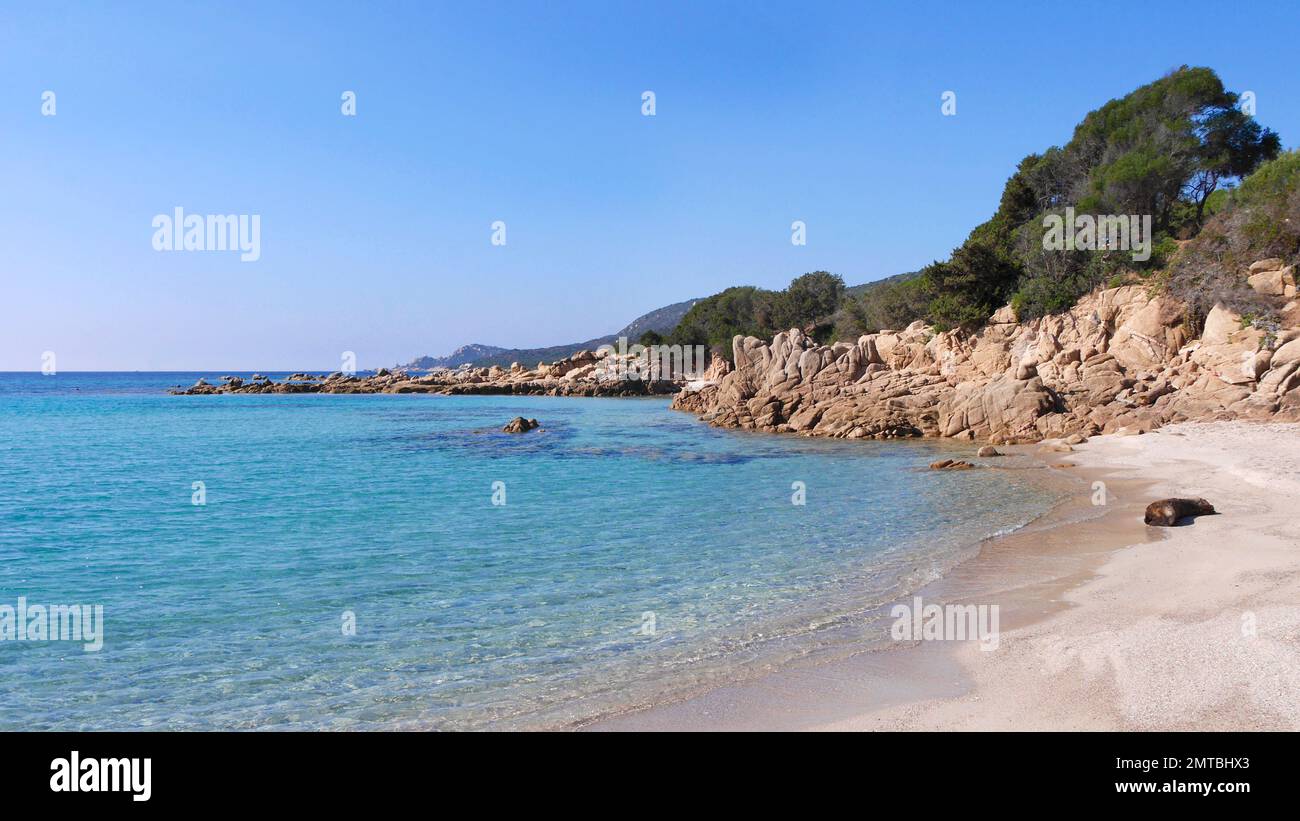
{"type": "Point", "coordinates": [1106, 624]}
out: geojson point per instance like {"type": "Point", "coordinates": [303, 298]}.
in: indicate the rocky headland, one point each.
{"type": "Point", "coordinates": [1123, 360]}
{"type": "Point", "coordinates": [585, 373]}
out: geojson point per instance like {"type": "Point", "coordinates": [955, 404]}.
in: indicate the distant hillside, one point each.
{"type": "Point", "coordinates": [660, 320]}
{"type": "Point", "coordinates": [859, 290]}
{"type": "Point", "coordinates": [463, 355]}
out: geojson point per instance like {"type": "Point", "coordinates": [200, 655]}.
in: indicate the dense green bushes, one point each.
{"type": "Point", "coordinates": [892, 303]}
{"type": "Point", "coordinates": [810, 302]}
{"type": "Point", "coordinates": [1164, 151]}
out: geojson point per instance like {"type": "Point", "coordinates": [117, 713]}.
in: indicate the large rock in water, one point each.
{"type": "Point", "coordinates": [951, 464]}
{"type": "Point", "coordinates": [520, 425]}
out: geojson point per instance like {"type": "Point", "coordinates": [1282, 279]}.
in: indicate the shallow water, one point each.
{"type": "Point", "coordinates": [638, 553]}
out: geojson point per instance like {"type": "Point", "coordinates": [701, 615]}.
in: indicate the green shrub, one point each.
{"type": "Point", "coordinates": [810, 302]}
{"type": "Point", "coordinates": [1164, 150]}
{"type": "Point", "coordinates": [889, 305]}
{"type": "Point", "coordinates": [1260, 219]}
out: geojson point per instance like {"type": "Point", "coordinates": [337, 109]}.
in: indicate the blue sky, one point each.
{"type": "Point", "coordinates": [376, 228]}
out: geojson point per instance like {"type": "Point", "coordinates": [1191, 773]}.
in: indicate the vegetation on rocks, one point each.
{"type": "Point", "coordinates": [1171, 151]}
{"type": "Point", "coordinates": [1167, 150]}
{"type": "Point", "coordinates": [1260, 219]}
{"type": "Point", "coordinates": [809, 302]}
{"type": "Point", "coordinates": [1121, 360]}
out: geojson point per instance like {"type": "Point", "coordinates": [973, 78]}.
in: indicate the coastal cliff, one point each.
{"type": "Point", "coordinates": [1121, 360]}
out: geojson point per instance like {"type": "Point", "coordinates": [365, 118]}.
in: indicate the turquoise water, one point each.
{"type": "Point", "coordinates": [230, 615]}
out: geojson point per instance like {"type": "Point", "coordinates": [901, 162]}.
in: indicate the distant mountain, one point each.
{"type": "Point", "coordinates": [463, 355]}
{"type": "Point", "coordinates": [660, 320]}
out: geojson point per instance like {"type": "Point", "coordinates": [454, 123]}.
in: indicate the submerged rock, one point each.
{"type": "Point", "coordinates": [520, 425]}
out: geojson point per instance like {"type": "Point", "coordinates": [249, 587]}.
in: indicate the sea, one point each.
{"type": "Point", "coordinates": [294, 562]}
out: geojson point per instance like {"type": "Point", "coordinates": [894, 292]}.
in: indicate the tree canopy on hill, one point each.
{"type": "Point", "coordinates": [889, 304]}
{"type": "Point", "coordinates": [809, 302]}
{"type": "Point", "coordinates": [1163, 150]}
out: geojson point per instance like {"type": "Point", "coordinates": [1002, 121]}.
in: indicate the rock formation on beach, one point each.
{"type": "Point", "coordinates": [586, 373]}
{"type": "Point", "coordinates": [1121, 360]}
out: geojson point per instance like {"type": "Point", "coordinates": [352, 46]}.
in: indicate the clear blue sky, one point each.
{"type": "Point", "coordinates": [375, 229]}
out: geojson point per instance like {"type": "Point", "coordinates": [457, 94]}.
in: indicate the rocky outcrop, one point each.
{"type": "Point", "coordinates": [1122, 359]}
{"type": "Point", "coordinates": [951, 464]}
{"type": "Point", "coordinates": [586, 373]}
{"type": "Point", "coordinates": [521, 425]}
{"type": "Point", "coordinates": [1271, 278]}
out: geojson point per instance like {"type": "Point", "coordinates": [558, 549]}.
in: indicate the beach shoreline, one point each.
{"type": "Point", "coordinates": [1106, 624]}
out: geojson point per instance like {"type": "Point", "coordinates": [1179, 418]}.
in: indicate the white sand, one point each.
{"type": "Point", "coordinates": [1198, 630]}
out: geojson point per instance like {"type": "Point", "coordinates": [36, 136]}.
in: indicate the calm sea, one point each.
{"type": "Point", "coordinates": [395, 562]}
